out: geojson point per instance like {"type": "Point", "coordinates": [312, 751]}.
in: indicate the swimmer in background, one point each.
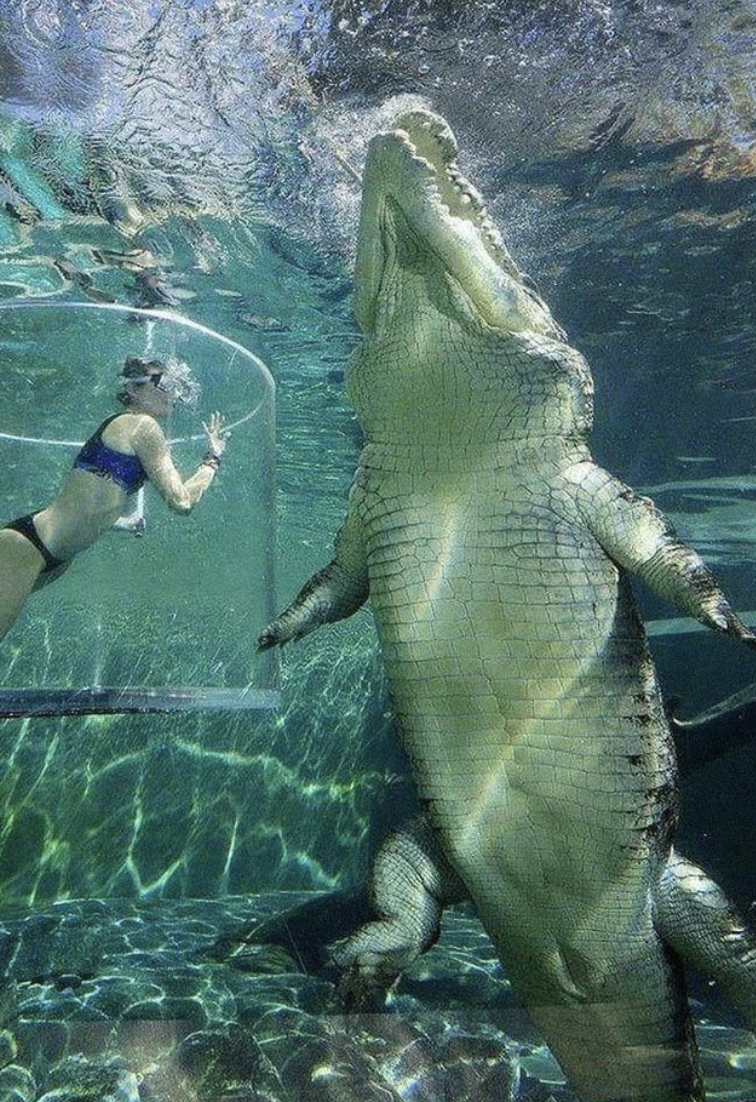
{"type": "Point", "coordinates": [127, 450]}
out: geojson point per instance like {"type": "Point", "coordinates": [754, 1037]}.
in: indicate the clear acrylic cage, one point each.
{"type": "Point", "coordinates": [167, 621]}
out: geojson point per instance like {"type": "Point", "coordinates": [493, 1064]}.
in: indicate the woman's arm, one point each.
{"type": "Point", "coordinates": [133, 521]}
{"type": "Point", "coordinates": [150, 444]}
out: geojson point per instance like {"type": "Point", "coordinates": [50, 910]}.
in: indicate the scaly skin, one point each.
{"type": "Point", "coordinates": [496, 556]}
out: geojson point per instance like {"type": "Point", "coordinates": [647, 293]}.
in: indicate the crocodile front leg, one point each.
{"type": "Point", "coordinates": [638, 537]}
{"type": "Point", "coordinates": [332, 594]}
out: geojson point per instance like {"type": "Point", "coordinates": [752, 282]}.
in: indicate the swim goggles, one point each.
{"type": "Point", "coordinates": [181, 390]}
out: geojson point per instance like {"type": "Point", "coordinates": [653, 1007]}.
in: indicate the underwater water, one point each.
{"type": "Point", "coordinates": [188, 157]}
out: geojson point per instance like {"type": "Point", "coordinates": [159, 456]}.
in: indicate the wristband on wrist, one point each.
{"type": "Point", "coordinates": [211, 460]}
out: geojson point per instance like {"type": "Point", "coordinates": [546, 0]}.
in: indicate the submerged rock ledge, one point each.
{"type": "Point", "coordinates": [124, 1001]}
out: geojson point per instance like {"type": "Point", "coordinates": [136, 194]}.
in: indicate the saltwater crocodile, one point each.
{"type": "Point", "coordinates": [496, 555]}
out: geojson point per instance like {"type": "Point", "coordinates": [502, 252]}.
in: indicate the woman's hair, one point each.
{"type": "Point", "coordinates": [136, 368]}
{"type": "Point", "coordinates": [176, 379]}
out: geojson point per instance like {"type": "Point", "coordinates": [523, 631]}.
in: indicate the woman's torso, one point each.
{"type": "Point", "coordinates": [94, 494]}
{"type": "Point", "coordinates": [109, 453]}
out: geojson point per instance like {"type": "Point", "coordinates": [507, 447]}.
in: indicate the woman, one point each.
{"type": "Point", "coordinates": [127, 450]}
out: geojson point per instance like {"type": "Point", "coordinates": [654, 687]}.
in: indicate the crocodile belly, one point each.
{"type": "Point", "coordinates": [527, 700]}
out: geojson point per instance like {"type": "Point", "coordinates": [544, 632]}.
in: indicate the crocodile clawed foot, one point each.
{"type": "Point", "coordinates": [357, 995]}
{"type": "Point", "coordinates": [274, 635]}
{"type": "Point", "coordinates": [366, 975]}
{"type": "Point", "coordinates": [267, 638]}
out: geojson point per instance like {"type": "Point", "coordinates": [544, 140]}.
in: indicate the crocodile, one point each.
{"type": "Point", "coordinates": [497, 557]}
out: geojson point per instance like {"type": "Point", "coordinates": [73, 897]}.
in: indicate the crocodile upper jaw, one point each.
{"type": "Point", "coordinates": [412, 177]}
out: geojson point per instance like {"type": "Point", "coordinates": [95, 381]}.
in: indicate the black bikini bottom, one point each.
{"type": "Point", "coordinates": [25, 525]}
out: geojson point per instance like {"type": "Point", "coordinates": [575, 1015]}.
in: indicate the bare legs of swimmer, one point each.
{"type": "Point", "coordinates": [20, 567]}
{"type": "Point", "coordinates": [20, 572]}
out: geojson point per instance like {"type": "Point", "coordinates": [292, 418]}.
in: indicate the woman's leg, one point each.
{"type": "Point", "coordinates": [48, 576]}
{"type": "Point", "coordinates": [20, 566]}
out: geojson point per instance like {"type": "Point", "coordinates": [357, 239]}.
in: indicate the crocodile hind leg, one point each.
{"type": "Point", "coordinates": [411, 882]}
{"type": "Point", "coordinates": [623, 1034]}
{"type": "Point", "coordinates": [694, 916]}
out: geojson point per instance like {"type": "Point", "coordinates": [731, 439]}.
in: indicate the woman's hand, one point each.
{"type": "Point", "coordinates": [216, 436]}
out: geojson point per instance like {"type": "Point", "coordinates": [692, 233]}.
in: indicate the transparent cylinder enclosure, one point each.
{"type": "Point", "coordinates": [166, 620]}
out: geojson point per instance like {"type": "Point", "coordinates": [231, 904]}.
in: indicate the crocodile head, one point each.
{"type": "Point", "coordinates": [414, 190]}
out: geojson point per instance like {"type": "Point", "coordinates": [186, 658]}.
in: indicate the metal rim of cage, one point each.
{"type": "Point", "coordinates": [124, 700]}
{"type": "Point", "coordinates": [146, 315]}
{"type": "Point", "coordinates": [115, 700]}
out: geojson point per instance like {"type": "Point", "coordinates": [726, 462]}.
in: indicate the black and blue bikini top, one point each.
{"type": "Point", "coordinates": [125, 470]}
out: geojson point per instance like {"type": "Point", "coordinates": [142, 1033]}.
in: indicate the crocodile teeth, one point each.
{"type": "Point", "coordinates": [430, 126]}
{"type": "Point", "coordinates": [461, 184]}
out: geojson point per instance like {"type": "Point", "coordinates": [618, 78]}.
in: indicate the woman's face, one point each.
{"type": "Point", "coordinates": [147, 396]}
